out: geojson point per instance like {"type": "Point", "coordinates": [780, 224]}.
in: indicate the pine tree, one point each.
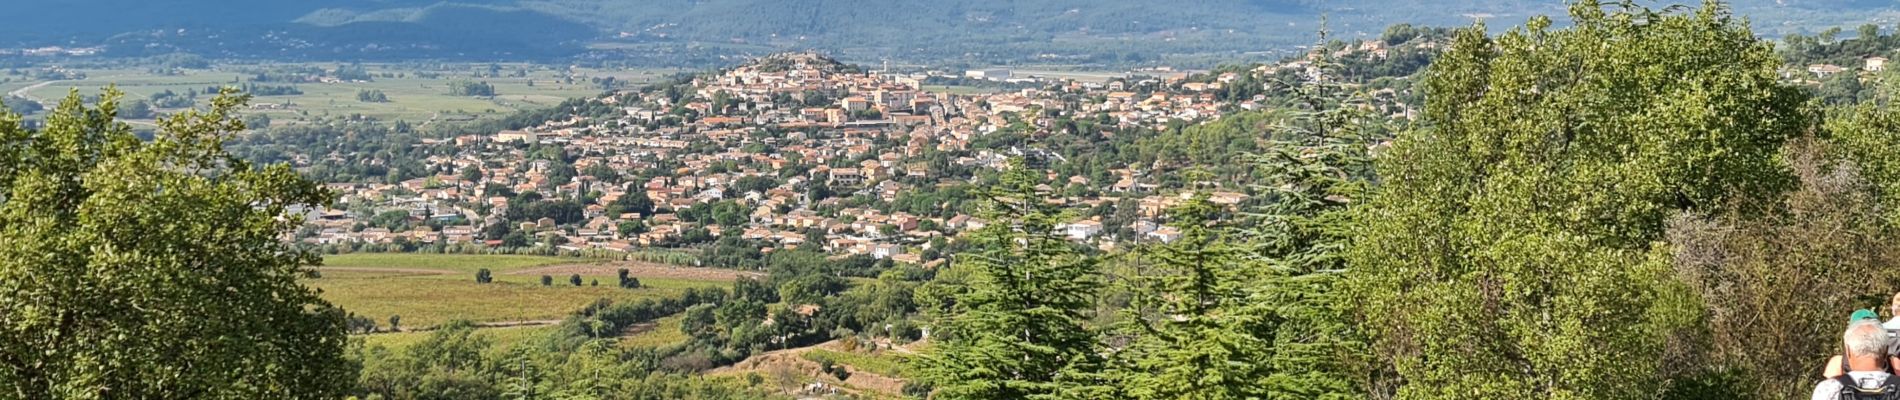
{"type": "Point", "coordinates": [1199, 342]}
{"type": "Point", "coordinates": [1017, 330]}
{"type": "Point", "coordinates": [1300, 239]}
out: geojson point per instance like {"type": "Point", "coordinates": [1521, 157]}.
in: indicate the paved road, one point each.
{"type": "Point", "coordinates": [22, 92]}
{"type": "Point", "coordinates": [26, 93]}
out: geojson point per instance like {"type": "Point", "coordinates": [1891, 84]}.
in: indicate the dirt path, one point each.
{"type": "Point", "coordinates": [641, 270]}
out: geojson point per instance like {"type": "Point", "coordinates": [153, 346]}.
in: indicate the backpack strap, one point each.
{"type": "Point", "coordinates": [1891, 388]}
{"type": "Point", "coordinates": [1851, 390]}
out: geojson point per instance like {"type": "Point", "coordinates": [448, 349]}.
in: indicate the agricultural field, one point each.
{"type": "Point", "coordinates": [430, 289]}
{"type": "Point", "coordinates": [415, 94]}
{"type": "Point", "coordinates": [662, 332]}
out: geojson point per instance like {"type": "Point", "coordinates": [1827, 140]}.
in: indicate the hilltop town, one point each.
{"type": "Point", "coordinates": [791, 151]}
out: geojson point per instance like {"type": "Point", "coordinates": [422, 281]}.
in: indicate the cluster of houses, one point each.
{"type": "Point", "coordinates": [861, 134]}
{"type": "Point", "coordinates": [1824, 71]}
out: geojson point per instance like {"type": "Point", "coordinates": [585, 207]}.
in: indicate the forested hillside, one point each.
{"type": "Point", "coordinates": [1059, 31]}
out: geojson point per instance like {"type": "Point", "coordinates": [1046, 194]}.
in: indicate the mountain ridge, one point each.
{"type": "Point", "coordinates": [945, 29]}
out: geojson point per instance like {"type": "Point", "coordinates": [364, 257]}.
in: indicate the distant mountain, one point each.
{"type": "Point", "coordinates": [1055, 31]}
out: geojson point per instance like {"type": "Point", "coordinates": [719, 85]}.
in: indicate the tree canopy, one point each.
{"type": "Point", "coordinates": [1516, 248]}
{"type": "Point", "coordinates": [135, 269]}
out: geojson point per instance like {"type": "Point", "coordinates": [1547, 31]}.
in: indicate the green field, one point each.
{"type": "Point", "coordinates": [884, 363]}
{"type": "Point", "coordinates": [431, 289]}
{"type": "Point", "coordinates": [412, 98]}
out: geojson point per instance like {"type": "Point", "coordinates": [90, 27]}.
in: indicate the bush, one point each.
{"type": "Point", "coordinates": [547, 280]}
{"type": "Point", "coordinates": [574, 279]}
{"type": "Point", "coordinates": [628, 282]}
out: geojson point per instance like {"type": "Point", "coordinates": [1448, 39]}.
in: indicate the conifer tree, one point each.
{"type": "Point", "coordinates": [1018, 329]}
{"type": "Point", "coordinates": [1299, 239]}
{"type": "Point", "coordinates": [1200, 342]}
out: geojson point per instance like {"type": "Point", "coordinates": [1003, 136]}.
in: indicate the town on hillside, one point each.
{"type": "Point", "coordinates": [796, 151]}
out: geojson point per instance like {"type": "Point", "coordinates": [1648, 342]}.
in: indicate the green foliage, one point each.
{"type": "Point", "coordinates": [142, 269]}
{"type": "Point", "coordinates": [1516, 250]}
{"type": "Point", "coordinates": [1786, 274]}
{"type": "Point", "coordinates": [1864, 135]}
{"type": "Point", "coordinates": [463, 87]}
{"type": "Point", "coordinates": [372, 96]}
{"type": "Point", "coordinates": [20, 105]}
{"type": "Point", "coordinates": [1017, 331]}
{"type": "Point", "coordinates": [1323, 166]}
{"type": "Point", "coordinates": [1194, 337]}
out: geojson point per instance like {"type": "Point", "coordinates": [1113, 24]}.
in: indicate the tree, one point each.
{"type": "Point", "coordinates": [1199, 342]}
{"type": "Point", "coordinates": [1017, 331]}
{"type": "Point", "coordinates": [1778, 273]}
{"type": "Point", "coordinates": [139, 109]}
{"type": "Point", "coordinates": [257, 121]}
{"type": "Point", "coordinates": [20, 105]}
{"type": "Point", "coordinates": [515, 239]}
{"type": "Point", "coordinates": [484, 276]}
{"type": "Point", "coordinates": [547, 280]}
{"type": "Point", "coordinates": [632, 202]}
{"type": "Point", "coordinates": [395, 323]}
{"type": "Point", "coordinates": [372, 96]}
{"type": "Point", "coordinates": [1515, 249]}
{"type": "Point", "coordinates": [629, 229]}
{"type": "Point", "coordinates": [1843, 88]}
{"type": "Point", "coordinates": [1321, 166]}
{"type": "Point", "coordinates": [574, 279]}
{"type": "Point", "coordinates": [141, 269]}
{"type": "Point", "coordinates": [472, 174]}
{"type": "Point", "coordinates": [463, 87]}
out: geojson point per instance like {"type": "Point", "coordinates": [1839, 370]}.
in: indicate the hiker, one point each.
{"type": "Point", "coordinates": [1865, 361]}
{"type": "Point", "coordinates": [1834, 366]}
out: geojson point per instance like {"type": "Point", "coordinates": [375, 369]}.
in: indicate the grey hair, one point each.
{"type": "Point", "coordinates": [1866, 339]}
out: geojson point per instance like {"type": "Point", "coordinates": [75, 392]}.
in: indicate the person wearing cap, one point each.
{"type": "Point", "coordinates": [1865, 364]}
{"type": "Point", "coordinates": [1837, 365]}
